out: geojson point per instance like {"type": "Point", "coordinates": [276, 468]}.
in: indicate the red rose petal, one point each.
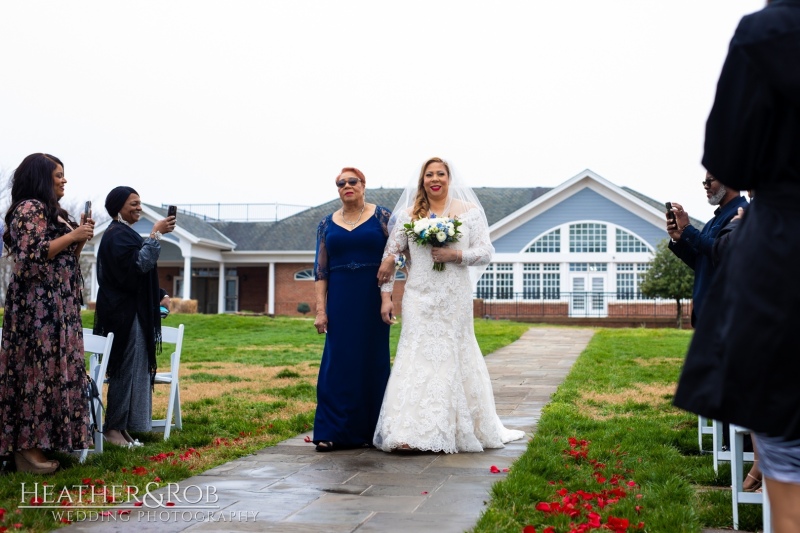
{"type": "Point", "coordinates": [494, 470]}
{"type": "Point", "coordinates": [528, 529]}
{"type": "Point", "coordinates": [307, 439]}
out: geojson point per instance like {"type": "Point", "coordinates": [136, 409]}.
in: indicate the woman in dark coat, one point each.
{"type": "Point", "coordinates": [42, 372]}
{"type": "Point", "coordinates": [128, 306]}
{"type": "Point", "coordinates": [743, 363]}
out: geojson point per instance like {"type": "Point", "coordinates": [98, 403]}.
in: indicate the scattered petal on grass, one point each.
{"type": "Point", "coordinates": [529, 529]}
{"type": "Point", "coordinates": [494, 470]}
{"type": "Point", "coordinates": [424, 492]}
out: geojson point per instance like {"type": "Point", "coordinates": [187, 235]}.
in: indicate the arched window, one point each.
{"type": "Point", "coordinates": [587, 237]}
{"type": "Point", "coordinates": [628, 243]}
{"type": "Point", "coordinates": [304, 275]}
{"type": "Point", "coordinates": [547, 243]}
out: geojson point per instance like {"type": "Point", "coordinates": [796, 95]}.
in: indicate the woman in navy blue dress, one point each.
{"type": "Point", "coordinates": [355, 362]}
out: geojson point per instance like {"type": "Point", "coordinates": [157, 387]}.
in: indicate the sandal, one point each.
{"type": "Point", "coordinates": [755, 486]}
{"type": "Point", "coordinates": [325, 446]}
{"type": "Point", "coordinates": [28, 464]}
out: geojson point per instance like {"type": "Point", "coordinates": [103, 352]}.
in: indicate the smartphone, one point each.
{"type": "Point", "coordinates": [172, 211]}
{"type": "Point", "coordinates": [87, 209]}
{"type": "Point", "coordinates": [670, 213]}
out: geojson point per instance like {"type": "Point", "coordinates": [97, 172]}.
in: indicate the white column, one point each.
{"type": "Point", "coordinates": [271, 290]}
{"type": "Point", "coordinates": [187, 277]}
{"type": "Point", "coordinates": [517, 278]}
{"type": "Point", "coordinates": [221, 291]}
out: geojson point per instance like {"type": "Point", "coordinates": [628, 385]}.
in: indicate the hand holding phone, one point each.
{"type": "Point", "coordinates": [87, 211]}
{"type": "Point", "coordinates": [172, 211]}
{"type": "Point", "coordinates": [670, 212]}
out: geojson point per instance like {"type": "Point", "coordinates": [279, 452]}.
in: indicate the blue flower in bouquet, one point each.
{"type": "Point", "coordinates": [434, 231]}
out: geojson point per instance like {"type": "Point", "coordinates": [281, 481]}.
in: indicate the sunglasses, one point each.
{"type": "Point", "coordinates": [708, 181]}
{"type": "Point", "coordinates": [349, 181]}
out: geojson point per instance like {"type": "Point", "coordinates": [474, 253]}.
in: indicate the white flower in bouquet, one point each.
{"type": "Point", "coordinates": [433, 231]}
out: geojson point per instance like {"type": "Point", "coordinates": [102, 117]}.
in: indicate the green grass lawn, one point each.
{"type": "Point", "coordinates": [247, 382]}
{"type": "Point", "coordinates": [611, 443]}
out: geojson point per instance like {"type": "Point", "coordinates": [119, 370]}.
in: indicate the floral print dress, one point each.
{"type": "Point", "coordinates": [42, 372]}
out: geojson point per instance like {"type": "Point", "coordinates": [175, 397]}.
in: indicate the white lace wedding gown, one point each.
{"type": "Point", "coordinates": [439, 396]}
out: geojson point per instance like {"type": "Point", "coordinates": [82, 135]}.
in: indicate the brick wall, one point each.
{"type": "Point", "coordinates": [290, 292]}
{"type": "Point", "coordinates": [253, 288]}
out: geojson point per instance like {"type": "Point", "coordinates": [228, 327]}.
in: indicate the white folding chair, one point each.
{"type": "Point", "coordinates": [170, 335]}
{"type": "Point", "coordinates": [98, 348]}
{"type": "Point", "coordinates": [738, 495]}
{"type": "Point", "coordinates": [703, 428]}
{"type": "Point", "coordinates": [718, 453]}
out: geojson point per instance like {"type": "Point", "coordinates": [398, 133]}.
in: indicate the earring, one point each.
{"type": "Point", "coordinates": [119, 218]}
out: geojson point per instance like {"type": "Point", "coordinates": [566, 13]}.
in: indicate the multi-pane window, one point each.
{"type": "Point", "coordinates": [486, 283]}
{"type": "Point", "coordinates": [588, 267]}
{"type": "Point", "coordinates": [497, 282]}
{"type": "Point", "coordinates": [629, 278]}
{"type": "Point", "coordinates": [504, 281]}
{"type": "Point", "coordinates": [548, 243]}
{"type": "Point", "coordinates": [551, 281]}
{"type": "Point", "coordinates": [628, 243]}
{"type": "Point", "coordinates": [304, 275]}
{"type": "Point", "coordinates": [587, 237]}
{"type": "Point", "coordinates": [531, 281]}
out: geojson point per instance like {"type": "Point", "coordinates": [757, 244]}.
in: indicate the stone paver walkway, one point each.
{"type": "Point", "coordinates": [292, 488]}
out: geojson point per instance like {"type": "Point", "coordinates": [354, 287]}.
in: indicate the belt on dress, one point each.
{"type": "Point", "coordinates": [353, 266]}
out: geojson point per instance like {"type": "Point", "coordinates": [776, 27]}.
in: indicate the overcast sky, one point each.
{"type": "Point", "coordinates": [259, 102]}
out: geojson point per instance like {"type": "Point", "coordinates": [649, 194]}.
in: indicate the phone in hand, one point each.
{"type": "Point", "coordinates": [670, 212]}
{"type": "Point", "coordinates": [87, 210]}
{"type": "Point", "coordinates": [172, 211]}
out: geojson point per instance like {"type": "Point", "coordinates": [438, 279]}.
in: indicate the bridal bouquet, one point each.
{"type": "Point", "coordinates": [433, 231]}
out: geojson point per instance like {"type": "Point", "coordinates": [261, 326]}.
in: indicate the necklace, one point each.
{"type": "Point", "coordinates": [353, 224]}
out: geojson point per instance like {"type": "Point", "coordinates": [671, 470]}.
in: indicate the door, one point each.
{"type": "Point", "coordinates": [588, 296]}
{"type": "Point", "coordinates": [205, 291]}
{"type": "Point", "coordinates": [577, 301]}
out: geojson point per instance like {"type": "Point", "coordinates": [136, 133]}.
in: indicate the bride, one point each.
{"type": "Point", "coordinates": [439, 395]}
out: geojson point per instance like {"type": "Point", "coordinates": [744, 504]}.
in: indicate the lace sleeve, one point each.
{"type": "Point", "coordinates": [480, 249]}
{"type": "Point", "coordinates": [321, 258]}
{"type": "Point", "coordinates": [147, 258]}
{"type": "Point", "coordinates": [395, 245]}
{"type": "Point", "coordinates": [383, 215]}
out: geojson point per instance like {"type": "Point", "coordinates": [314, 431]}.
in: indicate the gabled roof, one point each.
{"type": "Point", "coordinates": [299, 232]}
{"type": "Point", "coordinates": [197, 227]}
{"type": "Point", "coordinates": [661, 205]}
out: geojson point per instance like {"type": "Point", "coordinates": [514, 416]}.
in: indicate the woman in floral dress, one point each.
{"type": "Point", "coordinates": [42, 372]}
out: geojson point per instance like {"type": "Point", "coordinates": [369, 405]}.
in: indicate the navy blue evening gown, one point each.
{"type": "Point", "coordinates": [355, 362]}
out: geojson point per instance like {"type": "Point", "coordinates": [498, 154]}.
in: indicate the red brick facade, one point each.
{"type": "Point", "coordinates": [290, 292]}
